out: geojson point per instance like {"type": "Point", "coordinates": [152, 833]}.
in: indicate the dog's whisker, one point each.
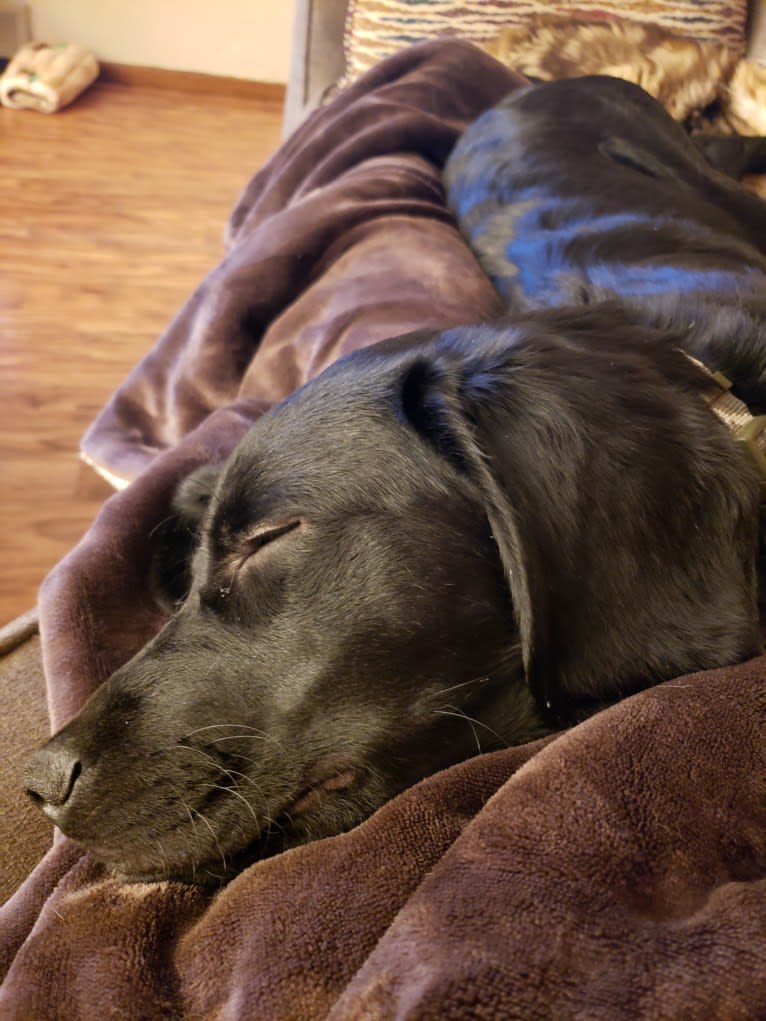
{"type": "Point", "coordinates": [249, 779]}
{"type": "Point", "coordinates": [160, 524]}
{"type": "Point", "coordinates": [236, 777]}
{"type": "Point", "coordinates": [197, 751]}
{"type": "Point", "coordinates": [189, 813]}
{"type": "Point", "coordinates": [213, 834]}
{"type": "Point", "coordinates": [260, 737]}
{"type": "Point", "coordinates": [163, 857]}
{"type": "Point", "coordinates": [461, 714]}
{"type": "Point", "coordinates": [272, 824]}
{"type": "Point", "coordinates": [243, 776]}
{"type": "Point", "coordinates": [236, 793]}
{"type": "Point", "coordinates": [444, 712]}
{"type": "Point", "coordinates": [219, 726]}
{"type": "Point", "coordinates": [220, 768]}
{"type": "Point", "coordinates": [194, 830]}
{"type": "Point", "coordinates": [226, 770]}
{"type": "Point", "coordinates": [463, 684]}
{"type": "Point", "coordinates": [244, 731]}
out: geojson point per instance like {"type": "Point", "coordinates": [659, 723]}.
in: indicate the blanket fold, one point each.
{"type": "Point", "coordinates": [615, 871]}
{"type": "Point", "coordinates": [341, 240]}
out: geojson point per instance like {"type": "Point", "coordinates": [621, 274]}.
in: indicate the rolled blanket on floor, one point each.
{"type": "Point", "coordinates": [47, 78]}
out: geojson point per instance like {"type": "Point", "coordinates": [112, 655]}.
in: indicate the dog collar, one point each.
{"type": "Point", "coordinates": [748, 430]}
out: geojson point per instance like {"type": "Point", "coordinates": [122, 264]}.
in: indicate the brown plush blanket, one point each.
{"type": "Point", "coordinates": [616, 871]}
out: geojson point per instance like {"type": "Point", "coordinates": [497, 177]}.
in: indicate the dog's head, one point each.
{"type": "Point", "coordinates": [401, 565]}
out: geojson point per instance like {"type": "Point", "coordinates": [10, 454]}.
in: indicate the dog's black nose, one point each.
{"type": "Point", "coordinates": [51, 775]}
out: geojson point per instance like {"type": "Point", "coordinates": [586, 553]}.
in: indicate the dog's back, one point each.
{"type": "Point", "coordinates": [581, 190]}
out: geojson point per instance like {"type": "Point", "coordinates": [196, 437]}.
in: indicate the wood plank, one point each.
{"type": "Point", "coordinates": [110, 213]}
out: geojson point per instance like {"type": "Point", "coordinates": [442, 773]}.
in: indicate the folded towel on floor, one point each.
{"type": "Point", "coordinates": [47, 78]}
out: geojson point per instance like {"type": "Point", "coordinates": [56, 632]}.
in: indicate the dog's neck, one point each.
{"type": "Point", "coordinates": [748, 430]}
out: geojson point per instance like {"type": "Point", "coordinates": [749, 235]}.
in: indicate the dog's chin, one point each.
{"type": "Point", "coordinates": [211, 874]}
{"type": "Point", "coordinates": [329, 801]}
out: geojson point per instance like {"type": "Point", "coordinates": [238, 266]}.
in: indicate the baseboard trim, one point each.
{"type": "Point", "coordinates": [191, 81]}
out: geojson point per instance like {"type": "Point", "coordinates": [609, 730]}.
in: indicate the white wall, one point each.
{"type": "Point", "coordinates": [238, 38]}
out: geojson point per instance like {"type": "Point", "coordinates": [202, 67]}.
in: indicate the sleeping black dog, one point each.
{"type": "Point", "coordinates": [399, 567]}
{"type": "Point", "coordinates": [576, 191]}
{"type": "Point", "coordinates": [449, 542]}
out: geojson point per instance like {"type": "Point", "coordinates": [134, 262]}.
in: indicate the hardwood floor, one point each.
{"type": "Point", "coordinates": [110, 213]}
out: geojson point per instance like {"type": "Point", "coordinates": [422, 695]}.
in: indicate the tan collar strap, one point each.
{"type": "Point", "coordinates": [748, 430]}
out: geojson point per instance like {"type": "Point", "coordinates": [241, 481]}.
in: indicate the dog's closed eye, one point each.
{"type": "Point", "coordinates": [266, 534]}
{"type": "Point", "coordinates": [249, 548]}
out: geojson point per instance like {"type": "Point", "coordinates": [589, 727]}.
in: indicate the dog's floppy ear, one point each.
{"type": "Point", "coordinates": [178, 536]}
{"type": "Point", "coordinates": [434, 400]}
{"type": "Point", "coordinates": [624, 516]}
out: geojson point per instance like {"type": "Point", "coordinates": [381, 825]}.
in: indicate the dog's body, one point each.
{"type": "Point", "coordinates": [578, 191]}
{"type": "Point", "coordinates": [447, 543]}
{"type": "Point", "coordinates": [399, 566]}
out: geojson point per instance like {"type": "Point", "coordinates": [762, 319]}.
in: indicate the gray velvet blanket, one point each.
{"type": "Point", "coordinates": [614, 872]}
